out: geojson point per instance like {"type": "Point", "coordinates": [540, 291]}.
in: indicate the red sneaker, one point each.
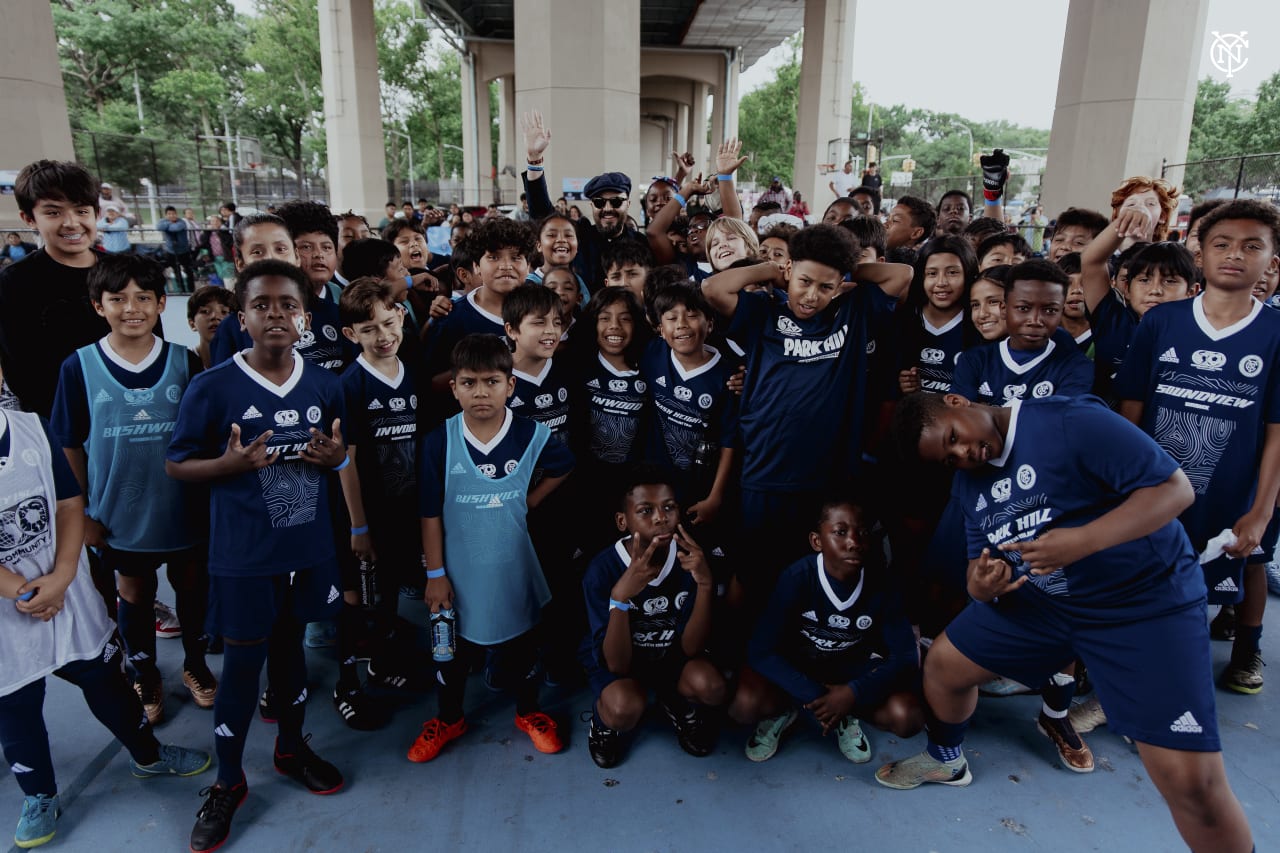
{"type": "Point", "coordinates": [541, 729]}
{"type": "Point", "coordinates": [435, 734]}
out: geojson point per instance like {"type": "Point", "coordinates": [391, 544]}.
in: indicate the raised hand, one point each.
{"type": "Point", "coordinates": [536, 136]}
{"type": "Point", "coordinates": [1135, 222]}
{"type": "Point", "coordinates": [989, 577]}
{"type": "Point", "coordinates": [251, 457]}
{"type": "Point", "coordinates": [727, 159]}
{"type": "Point", "coordinates": [327, 451]}
{"type": "Point", "coordinates": [641, 570]}
{"type": "Point", "coordinates": [691, 558]}
{"type": "Point", "coordinates": [695, 186]}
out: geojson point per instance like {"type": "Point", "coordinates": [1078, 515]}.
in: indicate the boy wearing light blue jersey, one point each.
{"type": "Point", "coordinates": [114, 412]}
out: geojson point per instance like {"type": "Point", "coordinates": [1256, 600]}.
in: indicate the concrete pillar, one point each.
{"type": "Point", "coordinates": [826, 94]}
{"type": "Point", "coordinates": [357, 169]}
{"type": "Point", "coordinates": [470, 132]}
{"type": "Point", "coordinates": [578, 63]}
{"type": "Point", "coordinates": [698, 123]}
{"type": "Point", "coordinates": [32, 98]}
{"type": "Point", "coordinates": [484, 142]}
{"type": "Point", "coordinates": [682, 136]}
{"type": "Point", "coordinates": [508, 134]}
{"type": "Point", "coordinates": [1130, 105]}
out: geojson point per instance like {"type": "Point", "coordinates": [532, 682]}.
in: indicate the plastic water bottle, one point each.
{"type": "Point", "coordinates": [368, 584]}
{"type": "Point", "coordinates": [706, 459]}
{"type": "Point", "coordinates": [442, 639]}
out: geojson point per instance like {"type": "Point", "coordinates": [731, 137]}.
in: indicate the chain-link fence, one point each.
{"type": "Point", "coordinates": [1245, 176]}
{"type": "Point", "coordinates": [1024, 189]}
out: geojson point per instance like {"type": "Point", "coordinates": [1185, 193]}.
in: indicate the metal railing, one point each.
{"type": "Point", "coordinates": [1241, 176]}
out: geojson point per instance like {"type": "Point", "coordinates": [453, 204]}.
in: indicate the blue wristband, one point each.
{"type": "Point", "coordinates": [724, 177]}
{"type": "Point", "coordinates": [345, 463]}
{"type": "Point", "coordinates": [680, 199]}
{"type": "Point", "coordinates": [408, 282]}
{"type": "Point", "coordinates": [360, 531]}
{"type": "Point", "coordinates": [614, 604]}
{"type": "Point", "coordinates": [435, 574]}
{"type": "Point", "coordinates": [531, 168]}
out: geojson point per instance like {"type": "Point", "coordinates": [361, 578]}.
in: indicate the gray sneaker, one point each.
{"type": "Point", "coordinates": [763, 743]}
{"type": "Point", "coordinates": [173, 761]}
{"type": "Point", "coordinates": [919, 769]}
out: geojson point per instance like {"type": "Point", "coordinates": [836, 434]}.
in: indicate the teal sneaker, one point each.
{"type": "Point", "coordinates": [38, 822]}
{"type": "Point", "coordinates": [173, 761]}
{"type": "Point", "coordinates": [763, 743]}
{"type": "Point", "coordinates": [321, 635]}
{"type": "Point", "coordinates": [918, 769]}
{"type": "Point", "coordinates": [852, 742]}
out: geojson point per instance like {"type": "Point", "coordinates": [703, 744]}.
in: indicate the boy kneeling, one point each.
{"type": "Point", "coordinates": [836, 642]}
{"type": "Point", "coordinates": [649, 623]}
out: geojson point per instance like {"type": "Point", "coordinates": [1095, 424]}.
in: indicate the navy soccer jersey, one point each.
{"type": "Point", "coordinates": [820, 631]}
{"type": "Point", "coordinates": [1066, 462]}
{"type": "Point", "coordinates": [1208, 395]}
{"type": "Point", "coordinates": [495, 458]}
{"type": "Point", "coordinates": [321, 345]}
{"type": "Point", "coordinates": [689, 406]}
{"type": "Point", "coordinates": [614, 402]}
{"type": "Point", "coordinates": [1112, 323]}
{"type": "Point", "coordinates": [466, 318]}
{"type": "Point", "coordinates": [801, 415]}
{"type": "Point", "coordinates": [657, 615]}
{"type": "Point", "coordinates": [274, 520]}
{"type": "Point", "coordinates": [933, 351]}
{"type": "Point", "coordinates": [992, 373]}
{"type": "Point", "coordinates": [383, 425]}
{"type": "Point", "coordinates": [544, 398]}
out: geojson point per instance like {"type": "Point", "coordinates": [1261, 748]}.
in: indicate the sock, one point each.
{"type": "Point", "coordinates": [26, 740]}
{"type": "Point", "coordinates": [946, 740]}
{"type": "Point", "coordinates": [527, 692]}
{"type": "Point", "coordinates": [287, 670]}
{"type": "Point", "coordinates": [348, 623]}
{"type": "Point", "coordinates": [1248, 639]}
{"type": "Point", "coordinates": [191, 600]}
{"type": "Point", "coordinates": [1057, 695]}
{"type": "Point", "coordinates": [138, 629]}
{"type": "Point", "coordinates": [234, 705]}
{"type": "Point", "coordinates": [452, 676]}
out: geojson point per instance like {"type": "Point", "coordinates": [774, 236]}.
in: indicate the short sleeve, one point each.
{"type": "Point", "coordinates": [749, 318]}
{"type": "Point", "coordinates": [556, 459]}
{"type": "Point", "coordinates": [962, 496]}
{"type": "Point", "coordinates": [1077, 377]}
{"type": "Point", "coordinates": [69, 418]}
{"type": "Point", "coordinates": [431, 456]}
{"type": "Point", "coordinates": [356, 428]}
{"type": "Point", "coordinates": [191, 430]}
{"type": "Point", "coordinates": [1114, 452]}
{"type": "Point", "coordinates": [1133, 382]}
{"type": "Point", "coordinates": [964, 379]}
{"type": "Point", "coordinates": [65, 485]}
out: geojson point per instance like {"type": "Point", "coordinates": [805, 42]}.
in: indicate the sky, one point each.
{"type": "Point", "coordinates": [1030, 42]}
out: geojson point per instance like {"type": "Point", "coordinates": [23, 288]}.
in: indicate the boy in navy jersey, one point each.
{"type": "Point", "coordinates": [801, 413]}
{"type": "Point", "coordinates": [501, 249]}
{"type": "Point", "coordinates": [1074, 549]}
{"type": "Point", "coordinates": [1201, 378]}
{"type": "Point", "coordinates": [649, 623]}
{"type": "Point", "coordinates": [1030, 363]}
{"type": "Point", "coordinates": [381, 399]}
{"type": "Point", "coordinates": [475, 486]}
{"type": "Point", "coordinates": [114, 411]}
{"type": "Point", "coordinates": [837, 643]}
{"type": "Point", "coordinates": [532, 322]}
{"type": "Point", "coordinates": [255, 428]}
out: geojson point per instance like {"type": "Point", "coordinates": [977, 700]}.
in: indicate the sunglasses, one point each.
{"type": "Point", "coordinates": [616, 203]}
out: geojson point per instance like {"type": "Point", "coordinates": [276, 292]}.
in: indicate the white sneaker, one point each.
{"type": "Point", "coordinates": [167, 625]}
{"type": "Point", "coordinates": [1087, 715]}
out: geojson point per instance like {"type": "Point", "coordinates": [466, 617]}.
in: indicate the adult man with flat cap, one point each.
{"type": "Point", "coordinates": [610, 196]}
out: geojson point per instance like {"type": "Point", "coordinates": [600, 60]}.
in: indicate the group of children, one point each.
{"type": "Point", "coordinates": [721, 482]}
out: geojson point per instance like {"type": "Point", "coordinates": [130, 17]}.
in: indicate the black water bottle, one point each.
{"type": "Point", "coordinates": [368, 584]}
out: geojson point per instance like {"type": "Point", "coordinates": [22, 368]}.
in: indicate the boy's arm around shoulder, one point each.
{"type": "Point", "coordinates": [893, 279]}
{"type": "Point", "coordinates": [722, 289]}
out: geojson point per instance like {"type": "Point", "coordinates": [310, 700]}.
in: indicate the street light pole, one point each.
{"type": "Point", "coordinates": [970, 132]}
{"type": "Point", "coordinates": [409, 140]}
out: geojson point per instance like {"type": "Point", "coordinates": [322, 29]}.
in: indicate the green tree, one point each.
{"type": "Point", "coordinates": [767, 122]}
{"type": "Point", "coordinates": [1218, 123]}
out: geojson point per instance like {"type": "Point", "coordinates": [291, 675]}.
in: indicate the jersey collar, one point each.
{"type": "Point", "coordinates": [945, 327]}
{"type": "Point", "coordinates": [1023, 368]}
{"type": "Point", "coordinates": [1015, 408]}
{"type": "Point", "coordinates": [604, 362]}
{"type": "Point", "coordinates": [1197, 310]}
{"type": "Point", "coordinates": [373, 371]}
{"type": "Point", "coordinates": [471, 298]}
{"type": "Point", "coordinates": [625, 556]}
{"type": "Point", "coordinates": [686, 375]}
{"type": "Point", "coordinates": [534, 380]}
{"type": "Point", "coordinates": [119, 361]}
{"type": "Point", "coordinates": [831, 593]}
{"type": "Point", "coordinates": [280, 391]}
{"type": "Point", "coordinates": [488, 447]}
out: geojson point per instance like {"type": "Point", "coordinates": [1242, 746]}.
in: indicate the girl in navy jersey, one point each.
{"type": "Point", "coordinates": [932, 328]}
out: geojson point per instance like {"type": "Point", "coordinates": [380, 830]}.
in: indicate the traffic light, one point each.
{"type": "Point", "coordinates": [908, 165]}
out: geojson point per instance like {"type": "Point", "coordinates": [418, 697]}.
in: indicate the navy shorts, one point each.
{"type": "Point", "coordinates": [137, 564]}
{"type": "Point", "coordinates": [1224, 578]}
{"type": "Point", "coordinates": [247, 608]}
{"type": "Point", "coordinates": [1154, 677]}
{"type": "Point", "coordinates": [660, 676]}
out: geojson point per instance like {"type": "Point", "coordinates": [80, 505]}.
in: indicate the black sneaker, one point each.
{"type": "Point", "coordinates": [318, 775]}
{"type": "Point", "coordinates": [359, 710]}
{"type": "Point", "coordinates": [1223, 626]}
{"type": "Point", "coordinates": [693, 730]}
{"type": "Point", "coordinates": [604, 744]}
{"type": "Point", "coordinates": [267, 708]}
{"type": "Point", "coordinates": [213, 821]}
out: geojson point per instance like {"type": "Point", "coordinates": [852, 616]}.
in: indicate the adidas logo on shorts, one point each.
{"type": "Point", "coordinates": [1186, 725]}
{"type": "Point", "coordinates": [1170, 356]}
{"type": "Point", "coordinates": [1227, 585]}
{"type": "Point", "coordinates": [21, 768]}
{"type": "Point", "coordinates": [224, 731]}
{"type": "Point", "coordinates": [333, 595]}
